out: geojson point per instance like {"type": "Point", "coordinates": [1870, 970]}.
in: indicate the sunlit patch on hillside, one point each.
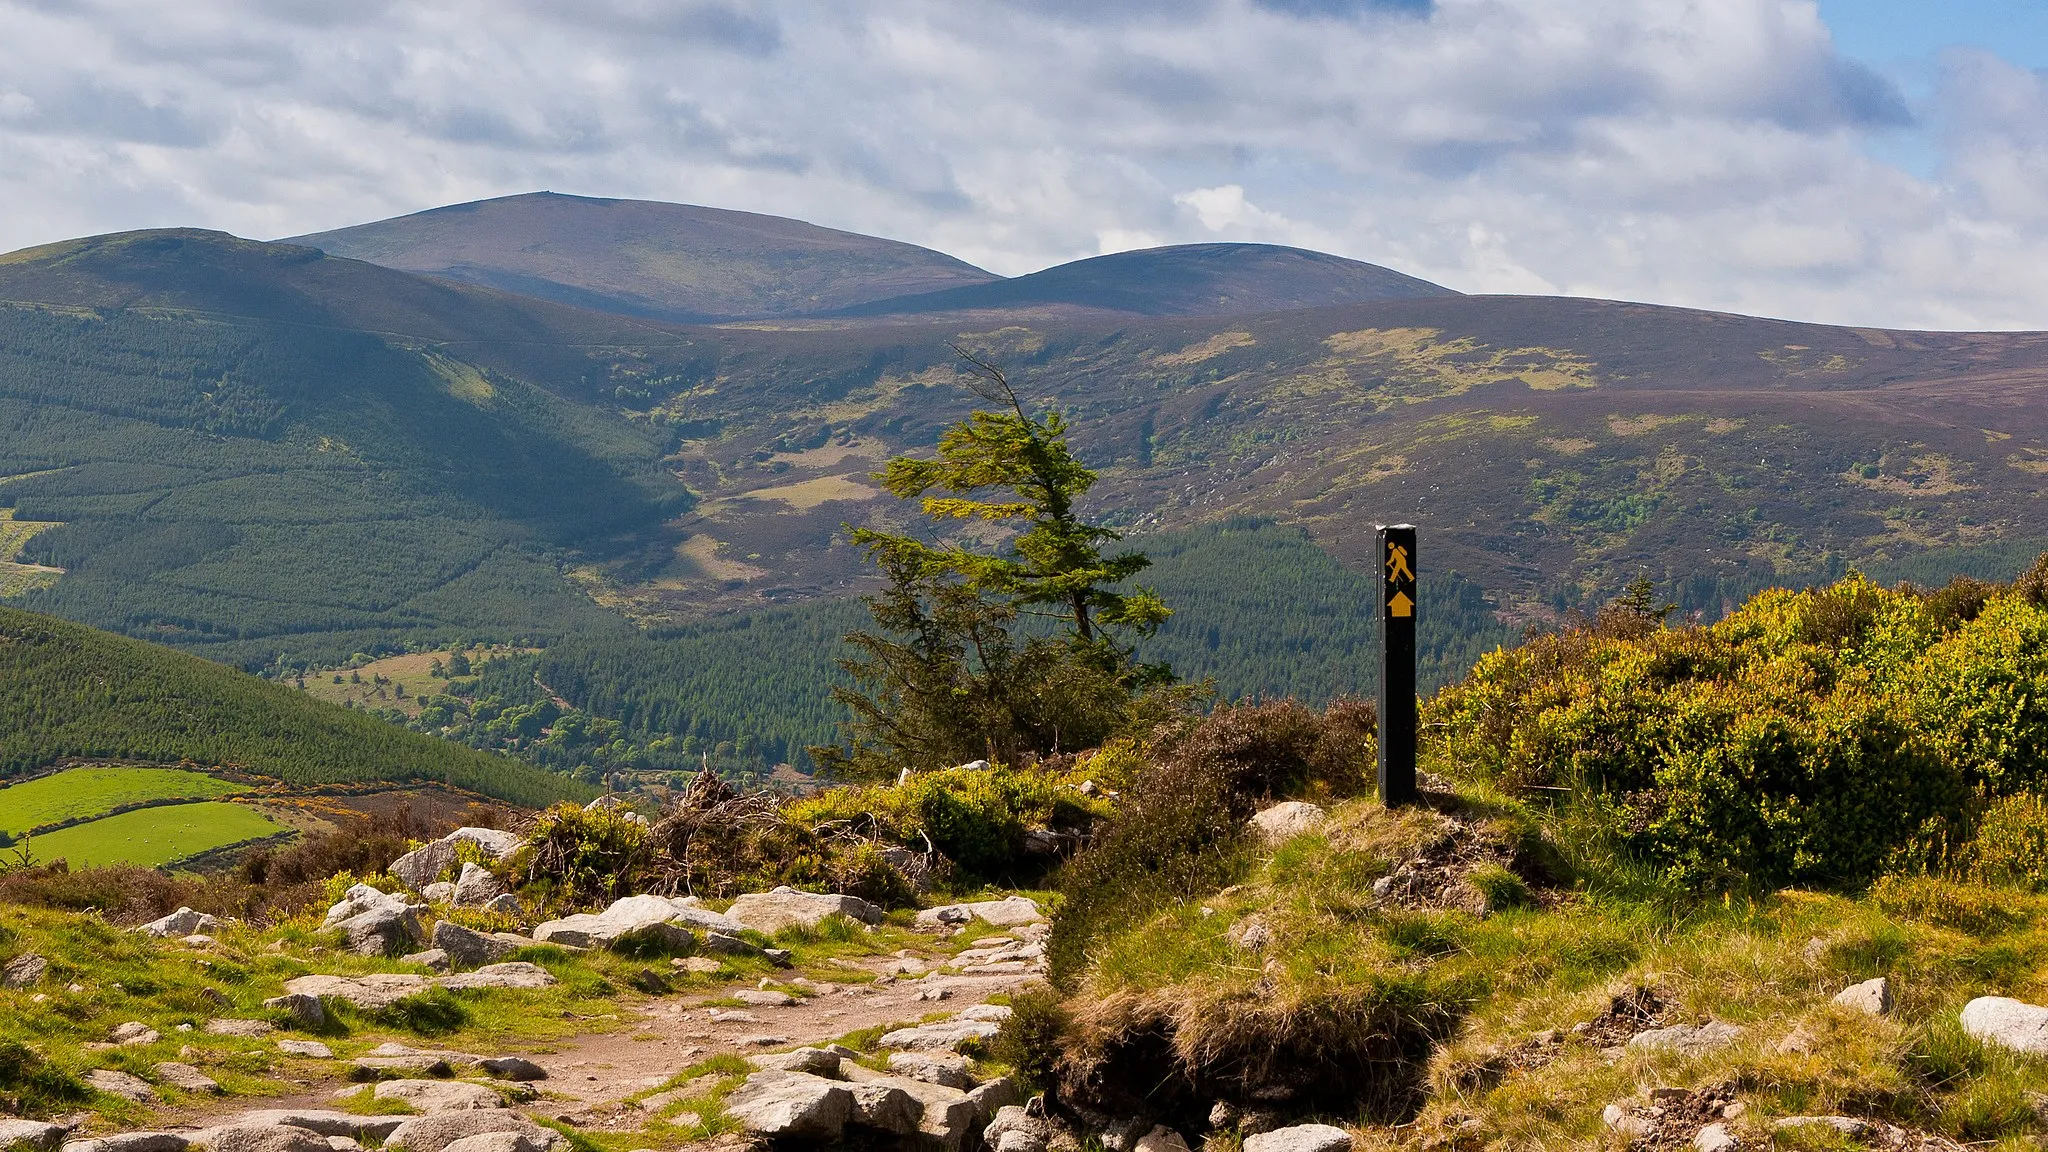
{"type": "Point", "coordinates": [1928, 475]}
{"type": "Point", "coordinates": [1422, 358]}
{"type": "Point", "coordinates": [830, 454]}
{"type": "Point", "coordinates": [1800, 360]}
{"type": "Point", "coordinates": [17, 578]}
{"type": "Point", "coordinates": [1568, 446]}
{"type": "Point", "coordinates": [464, 381]}
{"type": "Point", "coordinates": [2033, 460]}
{"type": "Point", "coordinates": [808, 494]}
{"type": "Point", "coordinates": [701, 550]}
{"type": "Point", "coordinates": [1638, 425]}
{"type": "Point", "coordinates": [1721, 426]}
{"type": "Point", "coordinates": [1010, 340]}
{"type": "Point", "coordinates": [1208, 349]}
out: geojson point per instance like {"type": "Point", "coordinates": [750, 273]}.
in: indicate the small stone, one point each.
{"type": "Point", "coordinates": [784, 907]}
{"type": "Point", "coordinates": [34, 1135]}
{"type": "Point", "coordinates": [784, 1105]}
{"type": "Point", "coordinates": [248, 1029]}
{"type": "Point", "coordinates": [1300, 1138]}
{"type": "Point", "coordinates": [2007, 1023]}
{"type": "Point", "coordinates": [1873, 997]}
{"type": "Point", "coordinates": [466, 948]}
{"type": "Point", "coordinates": [267, 1138]}
{"type": "Point", "coordinates": [1734, 1111]}
{"type": "Point", "coordinates": [24, 971]}
{"type": "Point", "coordinates": [1284, 821]}
{"type": "Point", "coordinates": [439, 892]}
{"type": "Point", "coordinates": [812, 1061]}
{"type": "Point", "coordinates": [304, 1010]}
{"type": "Point", "coordinates": [514, 1068]}
{"type": "Point", "coordinates": [450, 1130]}
{"type": "Point", "coordinates": [761, 999]}
{"type": "Point", "coordinates": [510, 974]}
{"type": "Point", "coordinates": [477, 887]}
{"type": "Point", "coordinates": [311, 1048]}
{"type": "Point", "coordinates": [932, 1068]}
{"type": "Point", "coordinates": [1715, 1138]}
{"type": "Point", "coordinates": [117, 1083]}
{"type": "Point", "coordinates": [436, 1096]}
{"type": "Point", "coordinates": [433, 958]}
{"type": "Point", "coordinates": [424, 865]}
{"type": "Point", "coordinates": [183, 922]}
{"type": "Point", "coordinates": [186, 1077]}
{"type": "Point", "coordinates": [1160, 1139]}
{"type": "Point", "coordinates": [1799, 1042]}
{"type": "Point", "coordinates": [1688, 1039]}
{"type": "Point", "coordinates": [135, 1032]}
{"type": "Point", "coordinates": [133, 1142]}
{"type": "Point", "coordinates": [699, 964]}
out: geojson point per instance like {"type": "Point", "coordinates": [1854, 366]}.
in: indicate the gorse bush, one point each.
{"type": "Point", "coordinates": [1809, 738]}
{"type": "Point", "coordinates": [975, 817]}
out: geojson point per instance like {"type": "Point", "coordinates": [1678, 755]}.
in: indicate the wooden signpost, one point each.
{"type": "Point", "coordinates": [1399, 592]}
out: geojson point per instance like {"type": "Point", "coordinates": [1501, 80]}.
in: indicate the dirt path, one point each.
{"type": "Point", "coordinates": [592, 1074]}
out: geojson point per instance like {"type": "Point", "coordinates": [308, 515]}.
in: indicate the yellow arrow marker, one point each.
{"type": "Point", "coordinates": [1401, 605]}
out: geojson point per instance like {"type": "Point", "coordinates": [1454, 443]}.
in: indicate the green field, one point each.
{"type": "Point", "coordinates": [154, 836]}
{"type": "Point", "coordinates": [82, 792]}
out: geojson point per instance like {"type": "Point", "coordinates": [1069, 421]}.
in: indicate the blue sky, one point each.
{"type": "Point", "coordinates": [1888, 32]}
{"type": "Point", "coordinates": [1878, 162]}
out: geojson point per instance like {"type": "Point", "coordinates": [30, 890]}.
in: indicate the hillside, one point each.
{"type": "Point", "coordinates": [1182, 280]}
{"type": "Point", "coordinates": [281, 458]}
{"type": "Point", "coordinates": [70, 692]}
{"type": "Point", "coordinates": [644, 258]}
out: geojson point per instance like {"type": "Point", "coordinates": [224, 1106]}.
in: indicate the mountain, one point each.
{"type": "Point", "coordinates": [1182, 280]}
{"type": "Point", "coordinates": [70, 692]}
{"type": "Point", "coordinates": [278, 457]}
{"type": "Point", "coordinates": [644, 258]}
{"type": "Point", "coordinates": [246, 448]}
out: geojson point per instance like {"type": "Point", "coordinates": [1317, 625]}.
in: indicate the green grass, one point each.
{"type": "Point", "coordinates": [155, 836]}
{"type": "Point", "coordinates": [81, 792]}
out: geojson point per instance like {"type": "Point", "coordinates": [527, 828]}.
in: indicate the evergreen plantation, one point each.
{"type": "Point", "coordinates": [68, 692]}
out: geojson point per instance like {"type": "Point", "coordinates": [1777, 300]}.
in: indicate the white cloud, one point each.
{"type": "Point", "coordinates": [1706, 154]}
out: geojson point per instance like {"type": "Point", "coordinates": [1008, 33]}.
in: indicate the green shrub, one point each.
{"type": "Point", "coordinates": [2011, 846]}
{"type": "Point", "coordinates": [1032, 1039]}
{"type": "Point", "coordinates": [1812, 737]}
{"type": "Point", "coordinates": [975, 817]}
{"type": "Point", "coordinates": [586, 854]}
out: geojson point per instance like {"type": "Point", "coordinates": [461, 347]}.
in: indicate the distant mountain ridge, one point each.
{"type": "Point", "coordinates": [691, 264]}
{"type": "Point", "coordinates": [1180, 280]}
{"type": "Point", "coordinates": [677, 262]}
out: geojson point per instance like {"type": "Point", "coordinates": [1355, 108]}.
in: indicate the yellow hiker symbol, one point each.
{"type": "Point", "coordinates": [1397, 564]}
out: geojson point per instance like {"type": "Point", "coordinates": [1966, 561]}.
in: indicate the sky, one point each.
{"type": "Point", "coordinates": [1871, 162]}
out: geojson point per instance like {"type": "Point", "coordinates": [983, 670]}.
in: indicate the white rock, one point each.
{"type": "Point", "coordinates": [1015, 1130]}
{"type": "Point", "coordinates": [265, 1138]}
{"type": "Point", "coordinates": [186, 1077]}
{"type": "Point", "coordinates": [183, 922]}
{"type": "Point", "coordinates": [306, 1010]}
{"type": "Point", "coordinates": [885, 1107]}
{"type": "Point", "coordinates": [1873, 996]}
{"type": "Point", "coordinates": [323, 1123]}
{"type": "Point", "coordinates": [517, 1069]}
{"type": "Point", "coordinates": [246, 1029]}
{"type": "Point", "coordinates": [1688, 1039]}
{"type": "Point", "coordinates": [501, 1142]}
{"type": "Point", "coordinates": [24, 971]}
{"type": "Point", "coordinates": [1715, 1138]}
{"type": "Point", "coordinates": [633, 918]}
{"type": "Point", "coordinates": [135, 1032]}
{"type": "Point", "coordinates": [133, 1142]}
{"type": "Point", "coordinates": [2007, 1023]}
{"type": "Point", "coordinates": [476, 887]}
{"type": "Point", "coordinates": [1160, 1139]}
{"type": "Point", "coordinates": [771, 912]}
{"type": "Point", "coordinates": [118, 1083]}
{"type": "Point", "coordinates": [949, 1117]}
{"type": "Point", "coordinates": [1010, 912]}
{"type": "Point", "coordinates": [947, 1034]}
{"type": "Point", "coordinates": [375, 923]}
{"type": "Point", "coordinates": [423, 865]}
{"type": "Point", "coordinates": [31, 1134]}
{"type": "Point", "coordinates": [782, 1105]}
{"type": "Point", "coordinates": [378, 990]}
{"type": "Point", "coordinates": [1300, 1138]}
{"type": "Point", "coordinates": [439, 892]}
{"type": "Point", "coordinates": [500, 844]}
{"type": "Point", "coordinates": [511, 974]}
{"type": "Point", "coordinates": [812, 1061]}
{"type": "Point", "coordinates": [1284, 821]}
{"type": "Point", "coordinates": [988, 1013]}
{"type": "Point", "coordinates": [438, 1133]}
{"type": "Point", "coordinates": [435, 1096]}
{"type": "Point", "coordinates": [932, 1068]}
{"type": "Point", "coordinates": [311, 1048]}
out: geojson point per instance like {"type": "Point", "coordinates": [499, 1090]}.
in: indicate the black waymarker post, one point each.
{"type": "Point", "coordinates": [1398, 592]}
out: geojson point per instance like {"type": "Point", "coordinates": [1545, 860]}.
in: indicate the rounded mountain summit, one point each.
{"type": "Point", "coordinates": [689, 263]}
